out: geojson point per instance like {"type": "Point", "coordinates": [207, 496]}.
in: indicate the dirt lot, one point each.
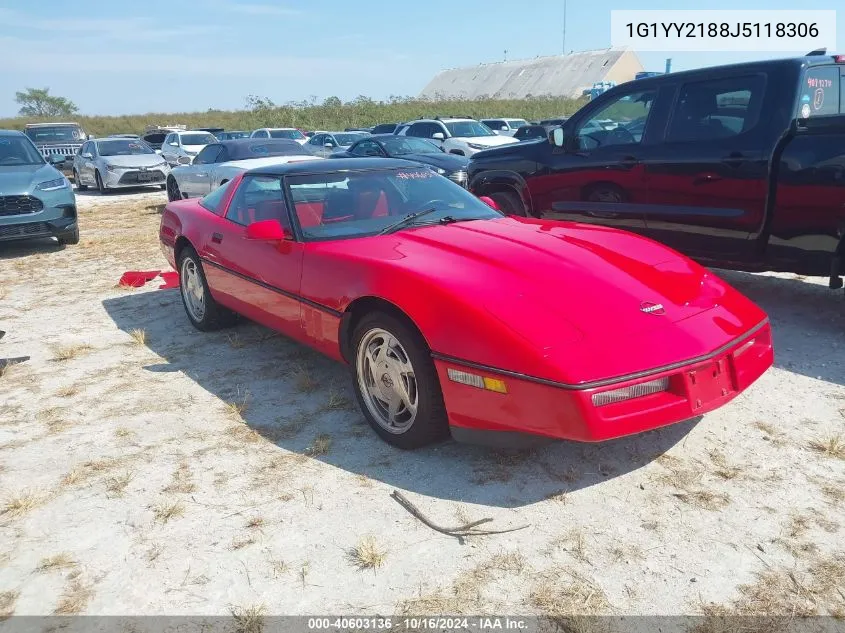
{"type": "Point", "coordinates": [147, 468]}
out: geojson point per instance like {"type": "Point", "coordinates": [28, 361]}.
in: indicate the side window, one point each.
{"type": "Point", "coordinates": [367, 148]}
{"type": "Point", "coordinates": [93, 149]}
{"type": "Point", "coordinates": [716, 109]}
{"type": "Point", "coordinates": [317, 139]}
{"type": "Point", "coordinates": [262, 134]}
{"type": "Point", "coordinates": [207, 155]}
{"type": "Point", "coordinates": [213, 200]}
{"type": "Point", "coordinates": [620, 122]}
{"type": "Point", "coordinates": [820, 92]}
{"type": "Point", "coordinates": [168, 139]}
{"type": "Point", "coordinates": [259, 198]}
{"type": "Point", "coordinates": [84, 148]}
{"type": "Point", "coordinates": [423, 130]}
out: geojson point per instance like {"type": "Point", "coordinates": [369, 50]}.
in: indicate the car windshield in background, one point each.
{"type": "Point", "coordinates": [385, 128]}
{"type": "Point", "coordinates": [18, 151]}
{"type": "Point", "coordinates": [291, 134]}
{"type": "Point", "coordinates": [197, 139]}
{"type": "Point", "coordinates": [231, 136]}
{"type": "Point", "coordinates": [345, 140]}
{"type": "Point", "coordinates": [357, 204]}
{"type": "Point", "coordinates": [515, 123]}
{"type": "Point", "coordinates": [399, 145]}
{"type": "Point", "coordinates": [57, 134]}
{"type": "Point", "coordinates": [468, 129]}
{"type": "Point", "coordinates": [123, 148]}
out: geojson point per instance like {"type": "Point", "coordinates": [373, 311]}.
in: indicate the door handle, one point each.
{"type": "Point", "coordinates": [629, 162]}
{"type": "Point", "coordinates": [734, 159]}
{"type": "Point", "coordinates": [703, 179]}
{"type": "Point", "coordinates": [216, 237]}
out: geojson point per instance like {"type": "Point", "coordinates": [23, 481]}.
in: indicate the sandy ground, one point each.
{"type": "Point", "coordinates": [147, 468]}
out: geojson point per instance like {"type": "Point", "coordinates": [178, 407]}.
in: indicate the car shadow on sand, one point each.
{"type": "Point", "coordinates": [807, 320]}
{"type": "Point", "coordinates": [24, 248]}
{"type": "Point", "coordinates": [295, 395]}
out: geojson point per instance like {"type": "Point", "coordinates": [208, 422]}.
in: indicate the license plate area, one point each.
{"type": "Point", "coordinates": [709, 382]}
{"type": "Point", "coordinates": [144, 176]}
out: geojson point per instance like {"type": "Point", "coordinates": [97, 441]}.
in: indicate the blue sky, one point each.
{"type": "Point", "coordinates": [186, 55]}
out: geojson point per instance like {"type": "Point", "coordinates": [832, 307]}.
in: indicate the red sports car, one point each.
{"type": "Point", "coordinates": [456, 318]}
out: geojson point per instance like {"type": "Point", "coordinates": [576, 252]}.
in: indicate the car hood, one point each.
{"type": "Point", "coordinates": [573, 303]}
{"type": "Point", "coordinates": [449, 162]}
{"type": "Point", "coordinates": [136, 160]}
{"type": "Point", "coordinates": [196, 149]}
{"type": "Point", "coordinates": [22, 179]}
{"type": "Point", "coordinates": [511, 149]}
{"type": "Point", "coordinates": [492, 141]}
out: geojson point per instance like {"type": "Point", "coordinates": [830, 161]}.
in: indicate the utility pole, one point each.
{"type": "Point", "coordinates": [563, 44]}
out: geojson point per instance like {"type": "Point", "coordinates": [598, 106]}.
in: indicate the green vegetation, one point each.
{"type": "Point", "coordinates": [331, 114]}
{"type": "Point", "coordinates": [38, 102]}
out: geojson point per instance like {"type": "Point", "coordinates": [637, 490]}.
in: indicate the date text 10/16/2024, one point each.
{"type": "Point", "coordinates": [417, 623]}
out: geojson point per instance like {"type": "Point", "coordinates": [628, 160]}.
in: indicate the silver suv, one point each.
{"type": "Point", "coordinates": [456, 135]}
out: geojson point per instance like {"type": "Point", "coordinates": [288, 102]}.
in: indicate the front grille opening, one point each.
{"type": "Point", "coordinates": [19, 205]}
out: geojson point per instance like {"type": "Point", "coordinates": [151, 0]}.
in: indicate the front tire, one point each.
{"type": "Point", "coordinates": [172, 188]}
{"type": "Point", "coordinates": [396, 384]}
{"type": "Point", "coordinates": [69, 238]}
{"type": "Point", "coordinates": [101, 187]}
{"type": "Point", "coordinates": [203, 311]}
{"type": "Point", "coordinates": [78, 181]}
{"type": "Point", "coordinates": [508, 202]}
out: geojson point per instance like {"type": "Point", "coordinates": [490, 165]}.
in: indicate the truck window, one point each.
{"type": "Point", "coordinates": [819, 94]}
{"type": "Point", "coordinates": [718, 108]}
{"type": "Point", "coordinates": [620, 122]}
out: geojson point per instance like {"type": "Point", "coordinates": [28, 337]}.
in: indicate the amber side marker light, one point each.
{"type": "Point", "coordinates": [474, 380]}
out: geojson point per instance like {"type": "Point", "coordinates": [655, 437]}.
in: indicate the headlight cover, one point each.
{"type": "Point", "coordinates": [440, 170]}
{"type": "Point", "coordinates": [111, 167]}
{"type": "Point", "coordinates": [53, 185]}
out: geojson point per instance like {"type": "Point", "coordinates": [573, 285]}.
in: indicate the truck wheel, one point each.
{"type": "Point", "coordinates": [78, 182]}
{"type": "Point", "coordinates": [396, 384]}
{"type": "Point", "coordinates": [508, 202]}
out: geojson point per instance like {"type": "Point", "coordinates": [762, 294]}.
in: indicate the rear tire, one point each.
{"type": "Point", "coordinates": [78, 182]}
{"type": "Point", "coordinates": [203, 311]}
{"type": "Point", "coordinates": [509, 202]}
{"type": "Point", "coordinates": [392, 363]}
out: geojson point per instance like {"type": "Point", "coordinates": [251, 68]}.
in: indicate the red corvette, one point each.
{"type": "Point", "coordinates": [456, 318]}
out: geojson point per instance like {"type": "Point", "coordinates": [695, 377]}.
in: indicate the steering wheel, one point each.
{"type": "Point", "coordinates": [621, 136]}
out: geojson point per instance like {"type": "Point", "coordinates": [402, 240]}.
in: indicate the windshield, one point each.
{"type": "Point", "coordinates": [123, 148]}
{"type": "Point", "coordinates": [18, 151]}
{"type": "Point", "coordinates": [197, 139]}
{"type": "Point", "coordinates": [357, 204]}
{"type": "Point", "coordinates": [56, 134]}
{"type": "Point", "coordinates": [294, 134]}
{"type": "Point", "coordinates": [468, 129]}
{"type": "Point", "coordinates": [515, 123]}
{"type": "Point", "coordinates": [399, 145]}
{"type": "Point", "coordinates": [345, 139]}
{"type": "Point", "coordinates": [232, 135]}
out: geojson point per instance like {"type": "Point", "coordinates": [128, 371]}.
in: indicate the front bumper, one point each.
{"type": "Point", "coordinates": [135, 177]}
{"type": "Point", "coordinates": [47, 214]}
{"type": "Point", "coordinates": [534, 408]}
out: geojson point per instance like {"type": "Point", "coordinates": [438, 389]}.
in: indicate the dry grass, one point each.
{"type": "Point", "coordinates": [56, 562]}
{"type": "Point", "coordinates": [724, 469]}
{"type": "Point", "coordinates": [122, 432]}
{"type": "Point", "coordinates": [320, 446]}
{"type": "Point", "coordinates": [234, 340]}
{"type": "Point", "coordinates": [236, 409]}
{"type": "Point", "coordinates": [55, 419]}
{"type": "Point", "coordinates": [367, 554]}
{"type": "Point", "coordinates": [243, 434]}
{"type": "Point", "coordinates": [770, 432]}
{"type": "Point", "coordinates": [248, 619]}
{"type": "Point", "coordinates": [165, 511]}
{"type": "Point", "coordinates": [22, 502]}
{"type": "Point", "coordinates": [834, 493]}
{"type": "Point", "coordinates": [139, 337]}
{"type": "Point", "coordinates": [65, 352]}
{"type": "Point", "coordinates": [278, 568]}
{"type": "Point", "coordinates": [568, 597]}
{"type": "Point", "coordinates": [560, 496]}
{"type": "Point", "coordinates": [242, 542]}
{"type": "Point", "coordinates": [255, 523]}
{"type": "Point", "coordinates": [7, 603]}
{"type": "Point", "coordinates": [574, 543]}
{"type": "Point", "coordinates": [336, 402]}
{"type": "Point", "coordinates": [116, 485]}
{"type": "Point", "coordinates": [67, 392]}
{"type": "Point", "coordinates": [75, 598]}
{"type": "Point", "coordinates": [304, 380]}
{"type": "Point", "coordinates": [686, 479]}
{"type": "Point", "coordinates": [85, 471]}
{"type": "Point", "coordinates": [831, 447]}
{"type": "Point", "coordinates": [180, 481]}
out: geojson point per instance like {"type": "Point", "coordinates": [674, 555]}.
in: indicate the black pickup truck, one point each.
{"type": "Point", "coordinates": [739, 166]}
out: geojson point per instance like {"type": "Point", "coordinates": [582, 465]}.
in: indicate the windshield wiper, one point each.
{"type": "Point", "coordinates": [408, 219]}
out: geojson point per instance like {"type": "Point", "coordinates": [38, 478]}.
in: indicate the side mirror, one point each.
{"type": "Point", "coordinates": [489, 202]}
{"type": "Point", "coordinates": [329, 144]}
{"type": "Point", "coordinates": [55, 159]}
{"type": "Point", "coordinates": [184, 160]}
{"type": "Point", "coordinates": [268, 231]}
{"type": "Point", "coordinates": [173, 143]}
{"type": "Point", "coordinates": [557, 137]}
{"type": "Point", "coordinates": [438, 136]}
{"type": "Point", "coordinates": [86, 155]}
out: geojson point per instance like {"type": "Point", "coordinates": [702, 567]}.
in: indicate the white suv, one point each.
{"type": "Point", "coordinates": [280, 132]}
{"type": "Point", "coordinates": [179, 148]}
{"type": "Point", "coordinates": [456, 135]}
